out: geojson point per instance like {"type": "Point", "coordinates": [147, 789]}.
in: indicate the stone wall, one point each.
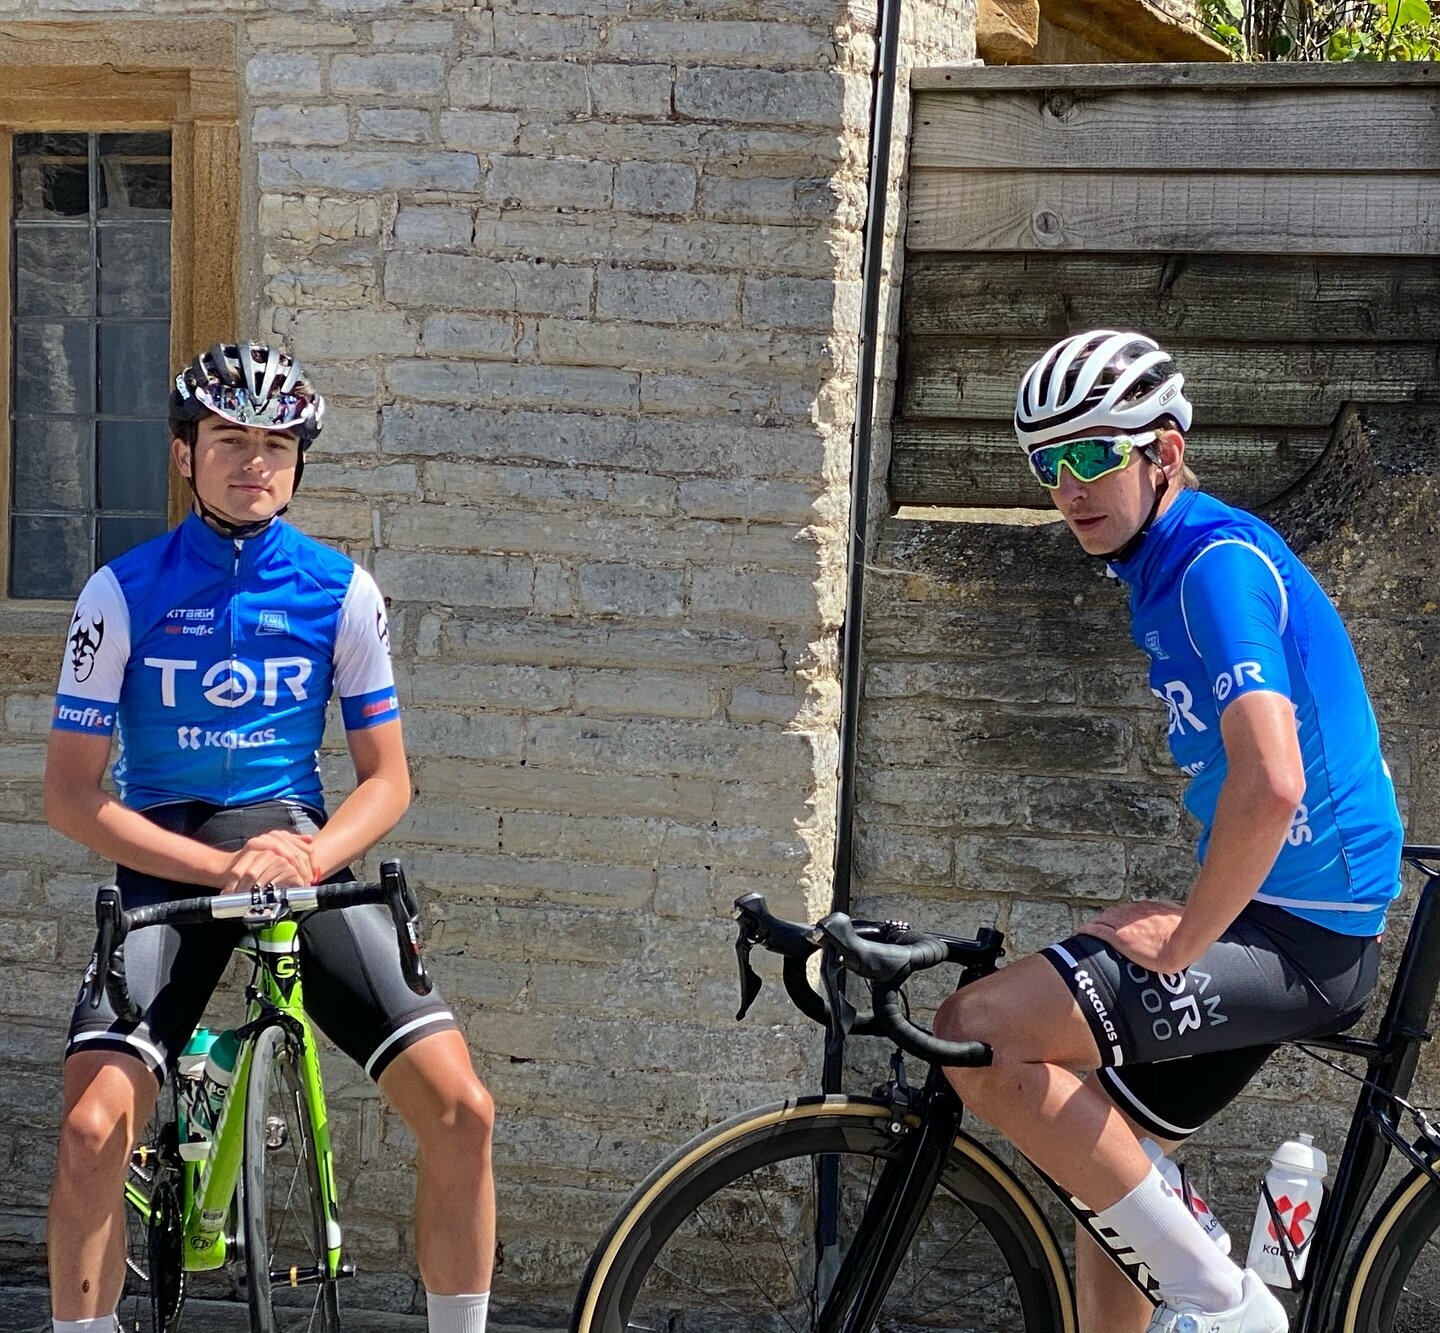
{"type": "Point", "coordinates": [1014, 768]}
{"type": "Point", "coordinates": [580, 282]}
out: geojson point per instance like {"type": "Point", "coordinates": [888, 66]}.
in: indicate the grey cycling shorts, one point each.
{"type": "Point", "coordinates": [1175, 1049]}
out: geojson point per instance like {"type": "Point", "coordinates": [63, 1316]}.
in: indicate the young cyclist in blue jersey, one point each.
{"type": "Point", "coordinates": [212, 652]}
{"type": "Point", "coordinates": [1299, 850]}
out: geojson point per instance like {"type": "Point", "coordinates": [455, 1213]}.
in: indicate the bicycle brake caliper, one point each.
{"type": "Point", "coordinates": [899, 1094]}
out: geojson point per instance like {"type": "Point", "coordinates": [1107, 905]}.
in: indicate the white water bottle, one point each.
{"type": "Point", "coordinates": [1296, 1184]}
{"type": "Point", "coordinates": [1199, 1209]}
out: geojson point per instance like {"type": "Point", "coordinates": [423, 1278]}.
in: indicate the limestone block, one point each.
{"type": "Point", "coordinates": [443, 731]}
{"type": "Point", "coordinates": [800, 303]}
{"type": "Point", "coordinates": [760, 97]}
{"type": "Point", "coordinates": [754, 499]}
{"type": "Point", "coordinates": [268, 74]}
{"type": "Point", "coordinates": [366, 173]}
{"type": "Point", "coordinates": [473, 283]}
{"type": "Point", "coordinates": [472, 335]}
{"type": "Point", "coordinates": [482, 382]}
{"type": "Point", "coordinates": [666, 297]}
{"type": "Point", "coordinates": [1040, 867]}
{"type": "Point", "coordinates": [531, 86]}
{"type": "Point", "coordinates": [632, 591]}
{"type": "Point", "coordinates": [654, 187]}
{"type": "Point", "coordinates": [643, 344]}
{"type": "Point", "coordinates": [630, 90]}
{"type": "Point", "coordinates": [1006, 30]}
{"type": "Point", "coordinates": [532, 688]}
{"type": "Point", "coordinates": [300, 125]}
{"type": "Point", "coordinates": [290, 32]}
{"type": "Point", "coordinates": [433, 227]}
{"type": "Point", "coordinates": [392, 125]}
{"type": "Point", "coordinates": [533, 35]}
{"type": "Point", "coordinates": [766, 596]}
{"type": "Point", "coordinates": [412, 32]}
{"type": "Point", "coordinates": [491, 581]}
{"type": "Point", "coordinates": [570, 438]}
{"type": "Point", "coordinates": [393, 74]}
{"type": "Point", "coordinates": [787, 45]}
{"type": "Point", "coordinates": [363, 332]}
{"type": "Point", "coordinates": [481, 131]}
{"type": "Point", "coordinates": [555, 183]}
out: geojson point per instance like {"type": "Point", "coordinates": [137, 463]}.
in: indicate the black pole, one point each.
{"type": "Point", "coordinates": [882, 109]}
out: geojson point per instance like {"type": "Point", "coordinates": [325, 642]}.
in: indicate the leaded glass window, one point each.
{"type": "Point", "coordinates": [90, 351]}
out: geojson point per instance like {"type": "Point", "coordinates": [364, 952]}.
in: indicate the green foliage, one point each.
{"type": "Point", "coordinates": [1325, 29]}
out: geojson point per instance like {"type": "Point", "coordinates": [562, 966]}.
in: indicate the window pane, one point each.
{"type": "Point", "coordinates": [134, 173]}
{"type": "Point", "coordinates": [115, 536]}
{"type": "Point", "coordinates": [134, 369]}
{"type": "Point", "coordinates": [49, 557]}
{"type": "Point", "coordinates": [54, 369]}
{"type": "Point", "coordinates": [134, 269]}
{"type": "Point", "coordinates": [52, 175]}
{"type": "Point", "coordinates": [52, 464]}
{"type": "Point", "coordinates": [133, 465]}
{"type": "Point", "coordinates": [52, 271]}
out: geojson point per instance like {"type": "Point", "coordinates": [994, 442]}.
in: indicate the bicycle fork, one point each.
{"type": "Point", "coordinates": [897, 1206]}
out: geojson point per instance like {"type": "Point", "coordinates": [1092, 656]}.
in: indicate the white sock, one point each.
{"type": "Point", "coordinates": [104, 1323]}
{"type": "Point", "coordinates": [1154, 1221]}
{"type": "Point", "coordinates": [459, 1314]}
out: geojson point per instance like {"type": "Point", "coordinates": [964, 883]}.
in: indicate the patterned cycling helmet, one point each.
{"type": "Point", "coordinates": [252, 385]}
{"type": "Point", "coordinates": [1101, 380]}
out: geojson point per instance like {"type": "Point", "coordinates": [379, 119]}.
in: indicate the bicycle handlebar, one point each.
{"type": "Point", "coordinates": [261, 906]}
{"type": "Point", "coordinates": [885, 953]}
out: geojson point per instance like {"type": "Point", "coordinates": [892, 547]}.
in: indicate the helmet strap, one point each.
{"type": "Point", "coordinates": [1123, 552]}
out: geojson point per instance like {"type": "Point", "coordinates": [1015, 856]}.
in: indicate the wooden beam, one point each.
{"type": "Point", "coordinates": [978, 464]}
{"type": "Point", "coordinates": [1346, 212]}
{"type": "Point", "coordinates": [1229, 383]}
{"type": "Point", "coordinates": [126, 43]}
{"type": "Point", "coordinates": [1267, 298]}
{"type": "Point", "coordinates": [1285, 129]}
{"type": "Point", "coordinates": [1185, 74]}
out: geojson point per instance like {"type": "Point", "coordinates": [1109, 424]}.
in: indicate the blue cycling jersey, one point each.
{"type": "Point", "coordinates": [217, 658]}
{"type": "Point", "coordinates": [1224, 609]}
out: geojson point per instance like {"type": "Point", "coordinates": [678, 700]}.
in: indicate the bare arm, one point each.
{"type": "Point", "coordinates": [80, 808]}
{"type": "Point", "coordinates": [1264, 785]}
{"type": "Point", "coordinates": [380, 798]}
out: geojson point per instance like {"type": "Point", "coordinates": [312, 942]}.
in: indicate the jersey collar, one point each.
{"type": "Point", "coordinates": [204, 545]}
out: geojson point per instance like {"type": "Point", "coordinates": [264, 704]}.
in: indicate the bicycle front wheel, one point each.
{"type": "Point", "coordinates": [290, 1287]}
{"type": "Point", "coordinates": [723, 1237]}
{"type": "Point", "coordinates": [1394, 1284]}
{"type": "Point", "coordinates": [154, 1291]}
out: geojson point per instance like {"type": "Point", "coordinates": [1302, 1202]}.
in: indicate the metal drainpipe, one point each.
{"type": "Point", "coordinates": [882, 108]}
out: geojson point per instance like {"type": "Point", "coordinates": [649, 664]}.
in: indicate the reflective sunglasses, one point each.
{"type": "Point", "coordinates": [278, 412]}
{"type": "Point", "coordinates": [1088, 459]}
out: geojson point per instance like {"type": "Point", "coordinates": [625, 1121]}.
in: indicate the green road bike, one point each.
{"type": "Point", "coordinates": [241, 1180]}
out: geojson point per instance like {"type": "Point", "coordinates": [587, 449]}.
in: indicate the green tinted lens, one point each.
{"type": "Point", "coordinates": [1088, 460]}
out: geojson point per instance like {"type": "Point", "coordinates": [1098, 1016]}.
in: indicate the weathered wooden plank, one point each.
{"type": "Point", "coordinates": [1345, 213]}
{"type": "Point", "coordinates": [134, 43]}
{"type": "Point", "coordinates": [978, 463]}
{"type": "Point", "coordinates": [1221, 77]}
{"type": "Point", "coordinates": [1229, 383]}
{"type": "Point", "coordinates": [1249, 129]}
{"type": "Point", "coordinates": [1323, 298]}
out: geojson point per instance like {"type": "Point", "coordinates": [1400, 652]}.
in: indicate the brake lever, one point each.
{"type": "Point", "coordinates": [109, 935]}
{"type": "Point", "coordinates": [749, 979]}
{"type": "Point", "coordinates": [842, 1012]}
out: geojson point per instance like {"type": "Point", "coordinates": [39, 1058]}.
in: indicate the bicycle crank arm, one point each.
{"type": "Point", "coordinates": [309, 1276]}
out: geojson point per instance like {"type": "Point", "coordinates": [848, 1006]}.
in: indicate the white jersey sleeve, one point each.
{"type": "Point", "coordinates": [97, 647]}
{"type": "Point", "coordinates": [364, 677]}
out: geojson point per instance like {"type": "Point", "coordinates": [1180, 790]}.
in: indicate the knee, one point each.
{"type": "Point", "coordinates": [95, 1141]}
{"type": "Point", "coordinates": [465, 1124]}
{"type": "Point", "coordinates": [970, 1017]}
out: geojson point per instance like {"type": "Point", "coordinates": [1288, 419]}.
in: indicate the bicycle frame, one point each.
{"type": "Point", "coordinates": [209, 1189]}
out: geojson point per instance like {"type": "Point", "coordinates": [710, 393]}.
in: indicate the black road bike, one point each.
{"type": "Point", "coordinates": [882, 1214]}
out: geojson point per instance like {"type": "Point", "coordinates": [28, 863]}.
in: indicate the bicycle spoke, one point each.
{"type": "Point", "coordinates": [712, 1296]}
{"type": "Point", "coordinates": [765, 1212]}
{"type": "Point", "coordinates": [955, 1245]}
{"type": "Point", "coordinates": [744, 1269]}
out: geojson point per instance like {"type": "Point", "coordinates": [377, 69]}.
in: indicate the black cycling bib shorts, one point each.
{"type": "Point", "coordinates": [355, 991]}
{"type": "Point", "coordinates": [1177, 1048]}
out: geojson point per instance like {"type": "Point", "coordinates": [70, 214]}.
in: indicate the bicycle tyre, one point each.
{"type": "Point", "coordinates": [283, 1206]}
{"type": "Point", "coordinates": [1394, 1282]}
{"type": "Point", "coordinates": [1007, 1259]}
{"type": "Point", "coordinates": [153, 1295]}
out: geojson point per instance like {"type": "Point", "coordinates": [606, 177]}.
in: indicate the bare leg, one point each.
{"type": "Point", "coordinates": [434, 1088]}
{"type": "Point", "coordinates": [107, 1098]}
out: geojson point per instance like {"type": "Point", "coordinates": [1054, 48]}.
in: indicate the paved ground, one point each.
{"type": "Point", "coordinates": [27, 1310]}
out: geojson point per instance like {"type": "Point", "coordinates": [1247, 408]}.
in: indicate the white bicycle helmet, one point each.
{"type": "Point", "coordinates": [1101, 380]}
{"type": "Point", "coordinates": [252, 385]}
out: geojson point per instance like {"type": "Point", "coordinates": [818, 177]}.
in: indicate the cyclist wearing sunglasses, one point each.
{"type": "Point", "coordinates": [215, 650]}
{"type": "Point", "coordinates": [1174, 1008]}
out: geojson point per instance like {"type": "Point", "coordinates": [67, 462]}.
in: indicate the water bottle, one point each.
{"type": "Point", "coordinates": [219, 1069]}
{"type": "Point", "coordinates": [1177, 1181]}
{"type": "Point", "coordinates": [193, 1118]}
{"type": "Point", "coordinates": [1295, 1183]}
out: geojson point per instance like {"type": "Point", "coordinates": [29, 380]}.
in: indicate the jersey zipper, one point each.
{"type": "Point", "coordinates": [234, 634]}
